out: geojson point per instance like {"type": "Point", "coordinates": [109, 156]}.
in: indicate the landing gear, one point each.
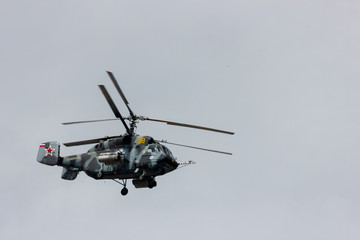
{"type": "Point", "coordinates": [142, 175]}
{"type": "Point", "coordinates": [124, 191]}
{"type": "Point", "coordinates": [123, 182]}
{"type": "Point", "coordinates": [152, 183]}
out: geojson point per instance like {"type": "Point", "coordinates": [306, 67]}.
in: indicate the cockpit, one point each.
{"type": "Point", "coordinates": [152, 148]}
{"type": "Point", "coordinates": [156, 147]}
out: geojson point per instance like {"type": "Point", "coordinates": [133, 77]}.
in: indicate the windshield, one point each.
{"type": "Point", "coordinates": [153, 148]}
{"type": "Point", "coordinates": [166, 150]}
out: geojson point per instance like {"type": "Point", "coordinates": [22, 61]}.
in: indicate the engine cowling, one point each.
{"type": "Point", "coordinates": [112, 158]}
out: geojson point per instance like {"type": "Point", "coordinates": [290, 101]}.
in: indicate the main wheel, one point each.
{"type": "Point", "coordinates": [124, 191]}
{"type": "Point", "coordinates": [152, 184]}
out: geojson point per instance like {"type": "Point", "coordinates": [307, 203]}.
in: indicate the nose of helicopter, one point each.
{"type": "Point", "coordinates": [172, 162]}
{"type": "Point", "coordinates": [168, 162]}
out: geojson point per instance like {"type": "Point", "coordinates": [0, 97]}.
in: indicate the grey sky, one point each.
{"type": "Point", "coordinates": [283, 75]}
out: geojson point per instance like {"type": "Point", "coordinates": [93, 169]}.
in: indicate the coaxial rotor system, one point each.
{"type": "Point", "coordinates": [133, 120]}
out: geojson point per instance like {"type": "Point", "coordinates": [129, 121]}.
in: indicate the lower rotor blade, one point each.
{"type": "Point", "coordinates": [90, 121]}
{"type": "Point", "coordinates": [189, 126]}
{"type": "Point", "coordinates": [89, 141]}
{"type": "Point", "coordinates": [198, 148]}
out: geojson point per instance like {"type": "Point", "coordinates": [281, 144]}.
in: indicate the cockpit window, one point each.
{"type": "Point", "coordinates": [153, 148]}
{"type": "Point", "coordinates": [166, 150]}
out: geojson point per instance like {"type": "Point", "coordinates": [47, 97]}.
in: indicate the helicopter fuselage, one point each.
{"type": "Point", "coordinates": [126, 157]}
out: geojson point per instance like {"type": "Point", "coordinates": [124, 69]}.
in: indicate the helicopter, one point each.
{"type": "Point", "coordinates": [121, 157]}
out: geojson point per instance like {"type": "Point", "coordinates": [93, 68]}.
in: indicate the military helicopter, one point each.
{"type": "Point", "coordinates": [122, 157]}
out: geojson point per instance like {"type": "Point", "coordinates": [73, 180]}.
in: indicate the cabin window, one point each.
{"type": "Point", "coordinates": [166, 150]}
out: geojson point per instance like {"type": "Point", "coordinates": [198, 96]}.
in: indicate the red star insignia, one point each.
{"type": "Point", "coordinates": [49, 151]}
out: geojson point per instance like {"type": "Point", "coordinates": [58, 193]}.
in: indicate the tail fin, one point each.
{"type": "Point", "coordinates": [49, 153]}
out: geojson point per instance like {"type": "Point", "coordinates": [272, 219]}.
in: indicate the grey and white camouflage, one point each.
{"type": "Point", "coordinates": [127, 157]}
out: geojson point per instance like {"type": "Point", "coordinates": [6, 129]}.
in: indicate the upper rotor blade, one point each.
{"type": "Point", "coordinates": [89, 141]}
{"type": "Point", "coordinates": [110, 101]}
{"type": "Point", "coordinates": [90, 121]}
{"type": "Point", "coordinates": [190, 126]}
{"type": "Point", "coordinates": [120, 92]}
{"type": "Point", "coordinates": [204, 149]}
{"type": "Point", "coordinates": [113, 107]}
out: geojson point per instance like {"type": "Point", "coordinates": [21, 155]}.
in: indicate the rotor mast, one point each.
{"type": "Point", "coordinates": [133, 122]}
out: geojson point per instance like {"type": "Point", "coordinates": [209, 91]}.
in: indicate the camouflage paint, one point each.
{"type": "Point", "coordinates": [127, 157]}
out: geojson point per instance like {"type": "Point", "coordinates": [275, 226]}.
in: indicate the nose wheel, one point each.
{"type": "Point", "coordinates": [123, 182]}
{"type": "Point", "coordinates": [152, 184]}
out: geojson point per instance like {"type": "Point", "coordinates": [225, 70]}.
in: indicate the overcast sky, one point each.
{"type": "Point", "coordinates": [283, 75]}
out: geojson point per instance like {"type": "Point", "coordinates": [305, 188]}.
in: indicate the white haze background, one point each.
{"type": "Point", "coordinates": [284, 75]}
